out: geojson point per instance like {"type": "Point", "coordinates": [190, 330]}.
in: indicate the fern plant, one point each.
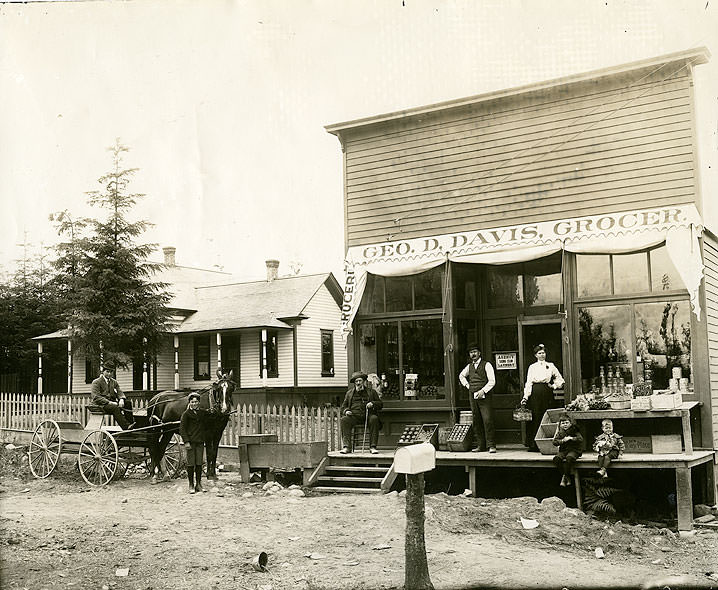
{"type": "Point", "coordinates": [598, 495]}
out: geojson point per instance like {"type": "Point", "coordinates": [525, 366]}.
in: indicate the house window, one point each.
{"type": "Point", "coordinates": [201, 357]}
{"type": "Point", "coordinates": [327, 353]}
{"type": "Point", "coordinates": [92, 368]}
{"type": "Point", "coordinates": [272, 358]}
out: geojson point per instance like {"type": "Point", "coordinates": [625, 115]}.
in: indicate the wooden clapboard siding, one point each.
{"type": "Point", "coordinates": [249, 360]}
{"type": "Point", "coordinates": [78, 373]}
{"type": "Point", "coordinates": [608, 144]}
{"type": "Point", "coordinates": [323, 314]}
{"type": "Point", "coordinates": [710, 258]}
{"type": "Point", "coordinates": [166, 365]}
{"type": "Point", "coordinates": [186, 361]}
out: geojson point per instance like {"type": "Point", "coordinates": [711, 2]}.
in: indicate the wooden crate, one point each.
{"type": "Point", "coordinates": [544, 438]}
{"type": "Point", "coordinates": [638, 444]}
{"type": "Point", "coordinates": [666, 401]}
{"type": "Point", "coordinates": [641, 404]}
{"type": "Point", "coordinates": [668, 444]}
{"type": "Point", "coordinates": [460, 438]}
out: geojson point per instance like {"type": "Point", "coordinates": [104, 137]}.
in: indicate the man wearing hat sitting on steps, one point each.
{"type": "Point", "coordinates": [361, 405]}
{"type": "Point", "coordinates": [107, 394]}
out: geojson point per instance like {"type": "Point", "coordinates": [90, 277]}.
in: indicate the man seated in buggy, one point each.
{"type": "Point", "coordinates": [107, 394]}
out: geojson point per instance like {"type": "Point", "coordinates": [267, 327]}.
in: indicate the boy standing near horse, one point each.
{"type": "Point", "coordinates": [192, 433]}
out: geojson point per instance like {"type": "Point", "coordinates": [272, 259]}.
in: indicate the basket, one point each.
{"type": "Point", "coordinates": [544, 438]}
{"type": "Point", "coordinates": [522, 414]}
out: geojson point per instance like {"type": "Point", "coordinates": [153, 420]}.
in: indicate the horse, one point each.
{"type": "Point", "coordinates": [215, 403]}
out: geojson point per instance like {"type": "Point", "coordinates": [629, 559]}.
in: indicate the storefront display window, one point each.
{"type": "Point", "coordinates": [606, 346]}
{"type": "Point", "coordinates": [593, 275]}
{"type": "Point", "coordinates": [664, 276]}
{"type": "Point", "coordinates": [630, 273]}
{"type": "Point", "coordinates": [465, 286]}
{"type": "Point", "coordinates": [373, 299]}
{"type": "Point", "coordinates": [428, 289]}
{"type": "Point", "coordinates": [663, 335]}
{"type": "Point", "coordinates": [506, 288]}
{"type": "Point", "coordinates": [419, 374]}
{"type": "Point", "coordinates": [542, 281]}
{"type": "Point", "coordinates": [402, 294]}
{"type": "Point", "coordinates": [422, 356]}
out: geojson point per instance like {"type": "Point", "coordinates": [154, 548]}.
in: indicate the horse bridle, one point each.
{"type": "Point", "coordinates": [222, 385]}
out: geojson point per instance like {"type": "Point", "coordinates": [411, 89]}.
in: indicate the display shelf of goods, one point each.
{"type": "Point", "coordinates": [666, 401]}
{"type": "Point", "coordinates": [460, 437]}
{"type": "Point", "coordinates": [582, 403]}
{"type": "Point", "coordinates": [641, 404]}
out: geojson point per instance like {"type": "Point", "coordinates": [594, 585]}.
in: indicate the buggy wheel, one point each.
{"type": "Point", "coordinates": [173, 461]}
{"type": "Point", "coordinates": [45, 448]}
{"type": "Point", "coordinates": [98, 458]}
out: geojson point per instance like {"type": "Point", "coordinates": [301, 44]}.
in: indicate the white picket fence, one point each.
{"type": "Point", "coordinates": [20, 411]}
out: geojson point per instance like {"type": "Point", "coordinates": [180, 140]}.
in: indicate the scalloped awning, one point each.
{"type": "Point", "coordinates": [609, 233]}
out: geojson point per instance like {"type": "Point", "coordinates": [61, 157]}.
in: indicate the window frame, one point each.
{"type": "Point", "coordinates": [328, 368]}
{"type": "Point", "coordinates": [272, 372]}
{"type": "Point", "coordinates": [196, 343]}
{"type": "Point", "coordinates": [92, 369]}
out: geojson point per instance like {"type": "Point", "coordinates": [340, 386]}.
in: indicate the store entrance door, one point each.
{"type": "Point", "coordinates": [546, 331]}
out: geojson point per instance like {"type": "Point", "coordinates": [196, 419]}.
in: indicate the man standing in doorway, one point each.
{"type": "Point", "coordinates": [478, 377]}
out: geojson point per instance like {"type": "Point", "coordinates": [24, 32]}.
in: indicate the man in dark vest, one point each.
{"type": "Point", "coordinates": [107, 394]}
{"type": "Point", "coordinates": [361, 406]}
{"type": "Point", "coordinates": [478, 377]}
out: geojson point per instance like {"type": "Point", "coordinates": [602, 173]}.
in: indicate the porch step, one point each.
{"type": "Point", "coordinates": [353, 474]}
{"type": "Point", "coordinates": [349, 479]}
{"type": "Point", "coordinates": [346, 490]}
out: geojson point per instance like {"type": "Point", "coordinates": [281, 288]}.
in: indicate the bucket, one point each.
{"type": "Point", "coordinates": [259, 563]}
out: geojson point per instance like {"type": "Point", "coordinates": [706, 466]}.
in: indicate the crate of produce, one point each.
{"type": "Point", "coordinates": [429, 433]}
{"type": "Point", "coordinates": [419, 433]}
{"type": "Point", "coordinates": [666, 401]}
{"type": "Point", "coordinates": [544, 438]}
{"type": "Point", "coordinates": [641, 404]}
{"type": "Point", "coordinates": [460, 438]}
{"type": "Point", "coordinates": [666, 444]}
{"type": "Point", "coordinates": [409, 435]}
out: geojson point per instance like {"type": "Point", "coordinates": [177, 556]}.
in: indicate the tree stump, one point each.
{"type": "Point", "coordinates": [416, 567]}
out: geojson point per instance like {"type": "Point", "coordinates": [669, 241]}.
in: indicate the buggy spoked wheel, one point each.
{"type": "Point", "coordinates": [45, 449]}
{"type": "Point", "coordinates": [98, 458]}
{"type": "Point", "coordinates": [173, 460]}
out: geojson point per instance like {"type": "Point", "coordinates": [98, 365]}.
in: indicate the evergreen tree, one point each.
{"type": "Point", "coordinates": [116, 309]}
{"type": "Point", "coordinates": [28, 308]}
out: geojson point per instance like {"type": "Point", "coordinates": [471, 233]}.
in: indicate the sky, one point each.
{"type": "Point", "coordinates": [223, 104]}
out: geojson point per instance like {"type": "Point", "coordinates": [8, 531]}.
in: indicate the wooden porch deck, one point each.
{"type": "Point", "coordinates": [517, 458]}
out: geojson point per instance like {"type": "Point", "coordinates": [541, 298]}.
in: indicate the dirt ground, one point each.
{"type": "Point", "coordinates": [62, 533]}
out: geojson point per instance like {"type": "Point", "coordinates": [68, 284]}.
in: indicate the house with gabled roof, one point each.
{"type": "Point", "coordinates": [280, 336]}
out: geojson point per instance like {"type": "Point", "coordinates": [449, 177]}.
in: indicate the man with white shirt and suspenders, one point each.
{"type": "Point", "coordinates": [478, 377]}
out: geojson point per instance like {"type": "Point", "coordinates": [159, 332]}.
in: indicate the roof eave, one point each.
{"type": "Point", "coordinates": [696, 56]}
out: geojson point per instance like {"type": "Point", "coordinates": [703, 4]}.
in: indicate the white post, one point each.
{"type": "Point", "coordinates": [219, 351]}
{"type": "Point", "coordinates": [39, 367]}
{"type": "Point", "coordinates": [176, 343]}
{"type": "Point", "coordinates": [264, 358]}
{"type": "Point", "coordinates": [69, 366]}
{"type": "Point", "coordinates": [145, 367]}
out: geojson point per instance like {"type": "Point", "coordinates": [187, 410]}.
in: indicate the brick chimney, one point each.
{"type": "Point", "coordinates": [272, 269]}
{"type": "Point", "coordinates": [170, 255]}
